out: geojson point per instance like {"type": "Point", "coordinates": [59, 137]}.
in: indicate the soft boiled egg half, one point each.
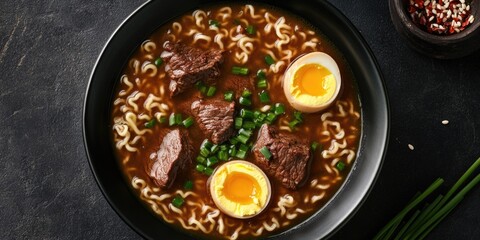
{"type": "Point", "coordinates": [312, 82]}
{"type": "Point", "coordinates": [240, 189]}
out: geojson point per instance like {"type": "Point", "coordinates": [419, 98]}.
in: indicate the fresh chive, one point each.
{"type": "Point", "coordinates": [163, 119]}
{"type": "Point", "coordinates": [188, 122]}
{"type": "Point", "coordinates": [240, 70]}
{"type": "Point", "coordinates": [314, 145]}
{"type": "Point", "coordinates": [151, 123]}
{"type": "Point", "coordinates": [238, 122]}
{"type": "Point", "coordinates": [211, 91]}
{"type": "Point", "coordinates": [178, 201]}
{"type": "Point", "coordinates": [200, 167]}
{"type": "Point", "coordinates": [264, 98]}
{"type": "Point", "coordinates": [223, 155]}
{"type": "Point", "coordinates": [248, 125]}
{"type": "Point", "coordinates": [340, 166]}
{"type": "Point", "coordinates": [208, 171]}
{"type": "Point", "coordinates": [279, 109]}
{"type": "Point", "coordinates": [188, 185]}
{"type": "Point", "coordinates": [262, 83]}
{"type": "Point", "coordinates": [246, 114]}
{"type": "Point", "coordinates": [269, 60]}
{"type": "Point", "coordinates": [212, 161]}
{"type": "Point", "coordinates": [246, 93]}
{"type": "Point", "coordinates": [250, 29]}
{"type": "Point", "coordinates": [213, 22]}
{"type": "Point", "coordinates": [405, 227]}
{"type": "Point", "coordinates": [245, 101]}
{"type": "Point", "coordinates": [201, 159]}
{"type": "Point", "coordinates": [158, 62]}
{"type": "Point", "coordinates": [261, 75]}
{"type": "Point", "coordinates": [171, 120]}
{"type": "Point", "coordinates": [228, 95]}
{"type": "Point", "coordinates": [266, 153]}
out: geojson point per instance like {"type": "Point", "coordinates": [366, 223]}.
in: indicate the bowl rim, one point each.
{"type": "Point", "coordinates": [369, 180]}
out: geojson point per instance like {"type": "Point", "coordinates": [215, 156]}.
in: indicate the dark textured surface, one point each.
{"type": "Point", "coordinates": [48, 49]}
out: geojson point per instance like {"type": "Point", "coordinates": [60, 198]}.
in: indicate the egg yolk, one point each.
{"type": "Point", "coordinates": [241, 188]}
{"type": "Point", "coordinates": [313, 79]}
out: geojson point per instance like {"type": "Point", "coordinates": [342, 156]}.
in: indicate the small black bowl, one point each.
{"type": "Point", "coordinates": [444, 47]}
{"type": "Point", "coordinates": [139, 26]}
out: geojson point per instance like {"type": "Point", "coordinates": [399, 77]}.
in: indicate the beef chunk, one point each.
{"type": "Point", "coordinates": [215, 118]}
{"type": "Point", "coordinates": [175, 154]}
{"type": "Point", "coordinates": [187, 65]}
{"type": "Point", "coordinates": [290, 160]}
{"type": "Point", "coordinates": [238, 83]}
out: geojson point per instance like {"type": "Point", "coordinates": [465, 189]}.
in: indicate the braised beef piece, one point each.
{"type": "Point", "coordinates": [174, 155]}
{"type": "Point", "coordinates": [290, 160]}
{"type": "Point", "coordinates": [238, 83]}
{"type": "Point", "coordinates": [186, 65]}
{"type": "Point", "coordinates": [215, 118]}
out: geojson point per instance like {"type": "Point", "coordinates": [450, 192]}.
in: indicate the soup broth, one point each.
{"type": "Point", "coordinates": [142, 101]}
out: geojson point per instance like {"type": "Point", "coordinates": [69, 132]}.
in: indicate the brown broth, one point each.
{"type": "Point", "coordinates": [134, 166]}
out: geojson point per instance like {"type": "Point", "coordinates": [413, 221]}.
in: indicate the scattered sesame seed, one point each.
{"type": "Point", "coordinates": [411, 147]}
{"type": "Point", "coordinates": [445, 122]}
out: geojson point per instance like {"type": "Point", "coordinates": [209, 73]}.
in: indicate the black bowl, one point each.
{"type": "Point", "coordinates": [443, 47]}
{"type": "Point", "coordinates": [147, 18]}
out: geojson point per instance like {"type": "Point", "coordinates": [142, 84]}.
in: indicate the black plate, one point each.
{"type": "Point", "coordinates": [144, 21]}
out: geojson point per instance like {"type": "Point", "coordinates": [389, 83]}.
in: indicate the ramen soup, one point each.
{"type": "Point", "coordinates": [218, 140]}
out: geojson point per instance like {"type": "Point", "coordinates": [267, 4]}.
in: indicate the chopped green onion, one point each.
{"type": "Point", "coordinates": [236, 21]}
{"type": "Point", "coordinates": [171, 120]}
{"type": "Point", "coordinates": [269, 60]}
{"type": "Point", "coordinates": [266, 153]}
{"type": "Point", "coordinates": [279, 109]}
{"type": "Point", "coordinates": [200, 167]}
{"type": "Point", "coordinates": [199, 84]}
{"type": "Point", "coordinates": [206, 144]}
{"type": "Point", "coordinates": [203, 89]}
{"type": "Point", "coordinates": [211, 161]}
{"type": "Point", "coordinates": [247, 114]}
{"type": "Point", "coordinates": [158, 62]}
{"type": "Point", "coordinates": [213, 22]}
{"type": "Point", "coordinates": [238, 122]}
{"type": "Point", "coordinates": [214, 149]}
{"type": "Point", "coordinates": [239, 70]}
{"type": "Point", "coordinates": [270, 117]}
{"type": "Point", "coordinates": [250, 29]}
{"type": "Point", "coordinates": [264, 98]}
{"type": "Point", "coordinates": [204, 151]}
{"type": "Point", "coordinates": [178, 118]}
{"type": "Point", "coordinates": [201, 159]}
{"type": "Point", "coordinates": [211, 91]}
{"type": "Point", "coordinates": [245, 101]}
{"type": "Point", "coordinates": [246, 133]}
{"type": "Point", "coordinates": [261, 117]}
{"type": "Point", "coordinates": [246, 93]}
{"type": "Point", "coordinates": [228, 96]}
{"type": "Point", "coordinates": [248, 125]}
{"type": "Point", "coordinates": [241, 154]}
{"type": "Point", "coordinates": [314, 145]}
{"type": "Point", "coordinates": [223, 155]}
{"type": "Point", "coordinates": [188, 185]}
{"type": "Point", "coordinates": [151, 123]}
{"type": "Point", "coordinates": [262, 83]}
{"type": "Point", "coordinates": [233, 141]}
{"type": "Point", "coordinates": [340, 166]}
{"type": "Point", "coordinates": [298, 115]}
{"type": "Point", "coordinates": [242, 138]}
{"type": "Point", "coordinates": [232, 151]}
{"type": "Point", "coordinates": [163, 119]}
{"type": "Point", "coordinates": [261, 75]}
{"type": "Point", "coordinates": [208, 171]}
{"type": "Point", "coordinates": [178, 201]}
{"type": "Point", "coordinates": [293, 124]}
{"type": "Point", "coordinates": [188, 122]}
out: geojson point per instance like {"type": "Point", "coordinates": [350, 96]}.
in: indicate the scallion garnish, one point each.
{"type": "Point", "coordinates": [279, 109]}
{"type": "Point", "coordinates": [211, 91]}
{"type": "Point", "coordinates": [314, 145]}
{"type": "Point", "coordinates": [264, 98]}
{"type": "Point", "coordinates": [247, 114]}
{"type": "Point", "coordinates": [340, 166]}
{"type": "Point", "coordinates": [208, 171]}
{"type": "Point", "coordinates": [211, 161]}
{"type": "Point", "coordinates": [178, 201]}
{"type": "Point", "coordinates": [223, 155]}
{"type": "Point", "coordinates": [200, 168]}
{"type": "Point", "coordinates": [262, 83]}
{"type": "Point", "coordinates": [171, 120]}
{"type": "Point", "coordinates": [238, 122]}
{"type": "Point", "coordinates": [245, 101]}
{"type": "Point", "coordinates": [250, 29]}
{"type": "Point", "coordinates": [188, 122]}
{"type": "Point", "coordinates": [261, 75]}
{"type": "Point", "coordinates": [269, 60]}
{"type": "Point", "coordinates": [246, 93]}
{"type": "Point", "coordinates": [163, 119]}
{"type": "Point", "coordinates": [266, 153]}
{"type": "Point", "coordinates": [213, 22]}
{"type": "Point", "coordinates": [158, 62]}
{"type": "Point", "coordinates": [248, 125]}
{"type": "Point", "coordinates": [201, 159]}
{"type": "Point", "coordinates": [228, 95]}
{"type": "Point", "coordinates": [270, 117]}
{"type": "Point", "coordinates": [188, 185]}
{"type": "Point", "coordinates": [240, 70]}
{"type": "Point", "coordinates": [151, 123]}
{"type": "Point", "coordinates": [178, 118]}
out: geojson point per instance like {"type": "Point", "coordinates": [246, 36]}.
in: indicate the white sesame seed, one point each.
{"type": "Point", "coordinates": [431, 19]}
{"type": "Point", "coordinates": [411, 147]}
{"type": "Point", "coordinates": [445, 122]}
{"type": "Point", "coordinates": [470, 19]}
{"type": "Point", "coordinates": [426, 3]}
{"type": "Point", "coordinates": [468, 8]}
{"type": "Point", "coordinates": [434, 11]}
{"type": "Point", "coordinates": [462, 1]}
